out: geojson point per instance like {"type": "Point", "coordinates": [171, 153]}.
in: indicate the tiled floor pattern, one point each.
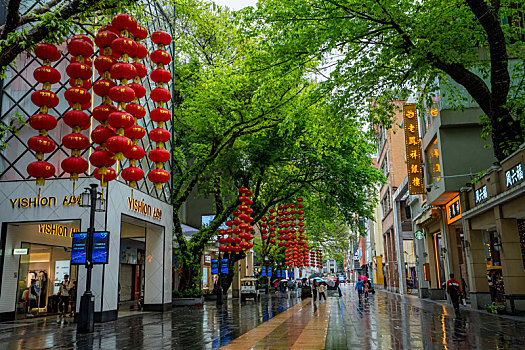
{"type": "Point", "coordinates": [303, 326]}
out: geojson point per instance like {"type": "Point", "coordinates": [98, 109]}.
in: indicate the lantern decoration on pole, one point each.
{"type": "Point", "coordinates": [103, 159]}
{"type": "Point", "coordinates": [80, 72]}
{"type": "Point", "coordinates": [132, 174]}
{"type": "Point", "coordinates": [43, 121]}
{"type": "Point", "coordinates": [123, 71]}
{"type": "Point", "coordinates": [160, 95]}
{"type": "Point", "coordinates": [245, 219]}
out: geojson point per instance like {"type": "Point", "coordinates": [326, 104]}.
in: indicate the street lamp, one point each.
{"type": "Point", "coordinates": [92, 199]}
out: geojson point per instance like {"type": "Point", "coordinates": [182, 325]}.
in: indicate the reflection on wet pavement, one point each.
{"type": "Point", "coordinates": [384, 321]}
{"type": "Point", "coordinates": [388, 321]}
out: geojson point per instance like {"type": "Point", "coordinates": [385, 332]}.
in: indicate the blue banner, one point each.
{"type": "Point", "coordinates": [100, 247]}
{"type": "Point", "coordinates": [214, 266]}
{"type": "Point", "coordinates": [263, 271]}
{"type": "Point", "coordinates": [269, 271]}
{"type": "Point", "coordinates": [224, 265]}
{"type": "Point", "coordinates": [79, 249]}
{"type": "Point", "coordinates": [278, 273]}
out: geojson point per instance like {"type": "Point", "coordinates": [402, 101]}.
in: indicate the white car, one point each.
{"type": "Point", "coordinates": [249, 288]}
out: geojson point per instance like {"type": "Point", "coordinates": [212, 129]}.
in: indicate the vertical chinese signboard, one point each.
{"type": "Point", "coordinates": [413, 150]}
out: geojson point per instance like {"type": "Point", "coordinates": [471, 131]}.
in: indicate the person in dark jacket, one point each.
{"type": "Point", "coordinates": [314, 290]}
{"type": "Point", "coordinates": [455, 292]}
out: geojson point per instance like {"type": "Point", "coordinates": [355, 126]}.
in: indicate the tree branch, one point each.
{"type": "Point", "coordinates": [13, 16]}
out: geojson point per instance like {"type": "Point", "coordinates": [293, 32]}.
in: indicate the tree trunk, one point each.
{"type": "Point", "coordinates": [506, 133]}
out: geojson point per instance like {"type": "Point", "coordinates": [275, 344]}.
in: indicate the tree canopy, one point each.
{"type": "Point", "coordinates": [387, 50]}
{"type": "Point", "coordinates": [268, 130]}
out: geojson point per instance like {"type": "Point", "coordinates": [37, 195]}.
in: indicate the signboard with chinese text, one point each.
{"type": "Point", "coordinates": [224, 265]}
{"type": "Point", "coordinates": [514, 175]}
{"type": "Point", "coordinates": [453, 209]}
{"type": "Point", "coordinates": [413, 150]}
{"type": "Point", "coordinates": [481, 194]}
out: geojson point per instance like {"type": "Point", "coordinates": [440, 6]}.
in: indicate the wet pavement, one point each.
{"type": "Point", "coordinates": [384, 321]}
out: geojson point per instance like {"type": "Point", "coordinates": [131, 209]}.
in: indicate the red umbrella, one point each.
{"type": "Point", "coordinates": [363, 278]}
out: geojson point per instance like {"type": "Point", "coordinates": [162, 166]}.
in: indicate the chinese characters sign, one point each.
{"type": "Point", "coordinates": [514, 175]}
{"type": "Point", "coordinates": [481, 194]}
{"type": "Point", "coordinates": [434, 164]}
{"type": "Point", "coordinates": [453, 209]}
{"type": "Point", "coordinates": [413, 150]}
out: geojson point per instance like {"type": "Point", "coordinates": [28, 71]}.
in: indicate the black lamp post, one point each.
{"type": "Point", "coordinates": [219, 286]}
{"type": "Point", "coordinates": [92, 199]}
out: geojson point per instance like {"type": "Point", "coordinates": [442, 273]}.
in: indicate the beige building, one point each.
{"type": "Point", "coordinates": [494, 221]}
{"type": "Point", "coordinates": [391, 161]}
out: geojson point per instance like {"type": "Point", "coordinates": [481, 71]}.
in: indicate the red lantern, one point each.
{"type": "Point", "coordinates": [47, 52]}
{"type": "Point", "coordinates": [119, 145]}
{"type": "Point", "coordinates": [109, 175]}
{"type": "Point", "coordinates": [160, 115]}
{"type": "Point", "coordinates": [42, 122]}
{"type": "Point", "coordinates": [161, 38]}
{"type": "Point", "coordinates": [102, 133]}
{"type": "Point", "coordinates": [158, 177]}
{"type": "Point", "coordinates": [132, 175]}
{"type": "Point", "coordinates": [75, 118]}
{"type": "Point", "coordinates": [46, 74]}
{"type": "Point", "coordinates": [124, 22]}
{"type": "Point", "coordinates": [40, 170]}
{"type": "Point", "coordinates": [159, 155]}
{"type": "Point", "coordinates": [102, 112]}
{"type": "Point", "coordinates": [137, 111]}
{"type": "Point", "coordinates": [74, 166]}
{"type": "Point", "coordinates": [135, 132]}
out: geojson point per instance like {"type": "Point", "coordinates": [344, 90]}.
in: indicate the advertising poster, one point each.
{"type": "Point", "coordinates": [224, 265]}
{"type": "Point", "coordinates": [214, 266]}
{"type": "Point", "coordinates": [269, 272]}
{"type": "Point", "coordinates": [78, 251]}
{"type": "Point", "coordinates": [100, 247]}
{"type": "Point", "coordinates": [263, 271]}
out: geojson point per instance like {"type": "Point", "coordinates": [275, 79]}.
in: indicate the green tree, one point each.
{"type": "Point", "coordinates": [51, 22]}
{"type": "Point", "coordinates": [388, 49]}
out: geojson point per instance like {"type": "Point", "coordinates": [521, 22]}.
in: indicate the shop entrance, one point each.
{"type": "Point", "coordinates": [46, 280]}
{"type": "Point", "coordinates": [440, 273]}
{"type": "Point", "coordinates": [132, 267]}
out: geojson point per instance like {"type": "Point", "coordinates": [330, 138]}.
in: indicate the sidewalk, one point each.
{"type": "Point", "coordinates": [448, 305]}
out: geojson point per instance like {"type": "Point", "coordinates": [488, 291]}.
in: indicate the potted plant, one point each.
{"type": "Point", "coordinates": [496, 309]}
{"type": "Point", "coordinates": [188, 297]}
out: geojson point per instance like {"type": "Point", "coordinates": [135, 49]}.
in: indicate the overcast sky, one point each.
{"type": "Point", "coordinates": [235, 4]}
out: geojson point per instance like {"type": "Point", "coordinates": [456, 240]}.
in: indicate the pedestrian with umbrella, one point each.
{"type": "Point", "coordinates": [359, 286]}
{"type": "Point", "coordinates": [314, 289]}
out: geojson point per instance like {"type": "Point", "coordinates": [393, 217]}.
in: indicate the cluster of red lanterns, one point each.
{"type": "Point", "coordinates": [103, 159]}
{"type": "Point", "coordinates": [160, 95]}
{"type": "Point", "coordinates": [132, 174]}
{"type": "Point", "coordinates": [43, 121]}
{"type": "Point", "coordinates": [316, 256]}
{"type": "Point", "coordinates": [238, 237]}
{"type": "Point", "coordinates": [288, 228]}
{"type": "Point", "coordinates": [118, 132]}
{"type": "Point", "coordinates": [79, 70]}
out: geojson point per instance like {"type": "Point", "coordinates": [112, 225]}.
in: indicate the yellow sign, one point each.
{"type": "Point", "coordinates": [26, 202]}
{"type": "Point", "coordinates": [56, 230]}
{"type": "Point", "coordinates": [413, 150]}
{"type": "Point", "coordinates": [453, 209]}
{"type": "Point", "coordinates": [144, 209]}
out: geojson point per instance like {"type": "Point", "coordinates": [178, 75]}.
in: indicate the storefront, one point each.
{"type": "Point", "coordinates": [36, 241]}
{"type": "Point", "coordinates": [494, 216]}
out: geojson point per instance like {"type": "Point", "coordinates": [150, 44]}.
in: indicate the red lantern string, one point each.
{"type": "Point", "coordinates": [122, 47]}
{"type": "Point", "coordinates": [42, 121]}
{"type": "Point", "coordinates": [103, 159]}
{"type": "Point", "coordinates": [160, 95]}
{"type": "Point", "coordinates": [132, 174]}
{"type": "Point", "coordinates": [79, 71]}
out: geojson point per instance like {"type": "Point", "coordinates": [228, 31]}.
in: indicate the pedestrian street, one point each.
{"type": "Point", "coordinates": [383, 321]}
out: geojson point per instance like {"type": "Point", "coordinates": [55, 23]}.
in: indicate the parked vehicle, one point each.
{"type": "Point", "coordinates": [249, 288]}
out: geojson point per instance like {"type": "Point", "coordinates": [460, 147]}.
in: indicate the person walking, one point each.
{"type": "Point", "coordinates": [365, 288]}
{"type": "Point", "coordinates": [338, 287]}
{"type": "Point", "coordinates": [359, 288]}
{"type": "Point", "coordinates": [321, 289]}
{"type": "Point", "coordinates": [64, 289]}
{"type": "Point", "coordinates": [314, 290]}
{"type": "Point", "coordinates": [455, 292]}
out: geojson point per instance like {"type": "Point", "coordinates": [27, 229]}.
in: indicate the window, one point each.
{"type": "Point", "coordinates": [384, 165]}
{"type": "Point", "coordinates": [381, 139]}
{"type": "Point", "coordinates": [386, 203]}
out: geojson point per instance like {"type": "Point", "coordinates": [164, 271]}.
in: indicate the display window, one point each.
{"type": "Point", "coordinates": [46, 280]}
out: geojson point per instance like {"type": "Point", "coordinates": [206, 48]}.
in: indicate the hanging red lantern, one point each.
{"type": "Point", "coordinates": [42, 121]}
{"type": "Point", "coordinates": [109, 175]}
{"type": "Point", "coordinates": [40, 170]}
{"type": "Point", "coordinates": [159, 177]}
{"type": "Point", "coordinates": [160, 95]}
{"type": "Point", "coordinates": [74, 166]}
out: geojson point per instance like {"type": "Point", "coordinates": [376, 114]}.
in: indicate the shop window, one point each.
{"type": "Point", "coordinates": [386, 203]}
